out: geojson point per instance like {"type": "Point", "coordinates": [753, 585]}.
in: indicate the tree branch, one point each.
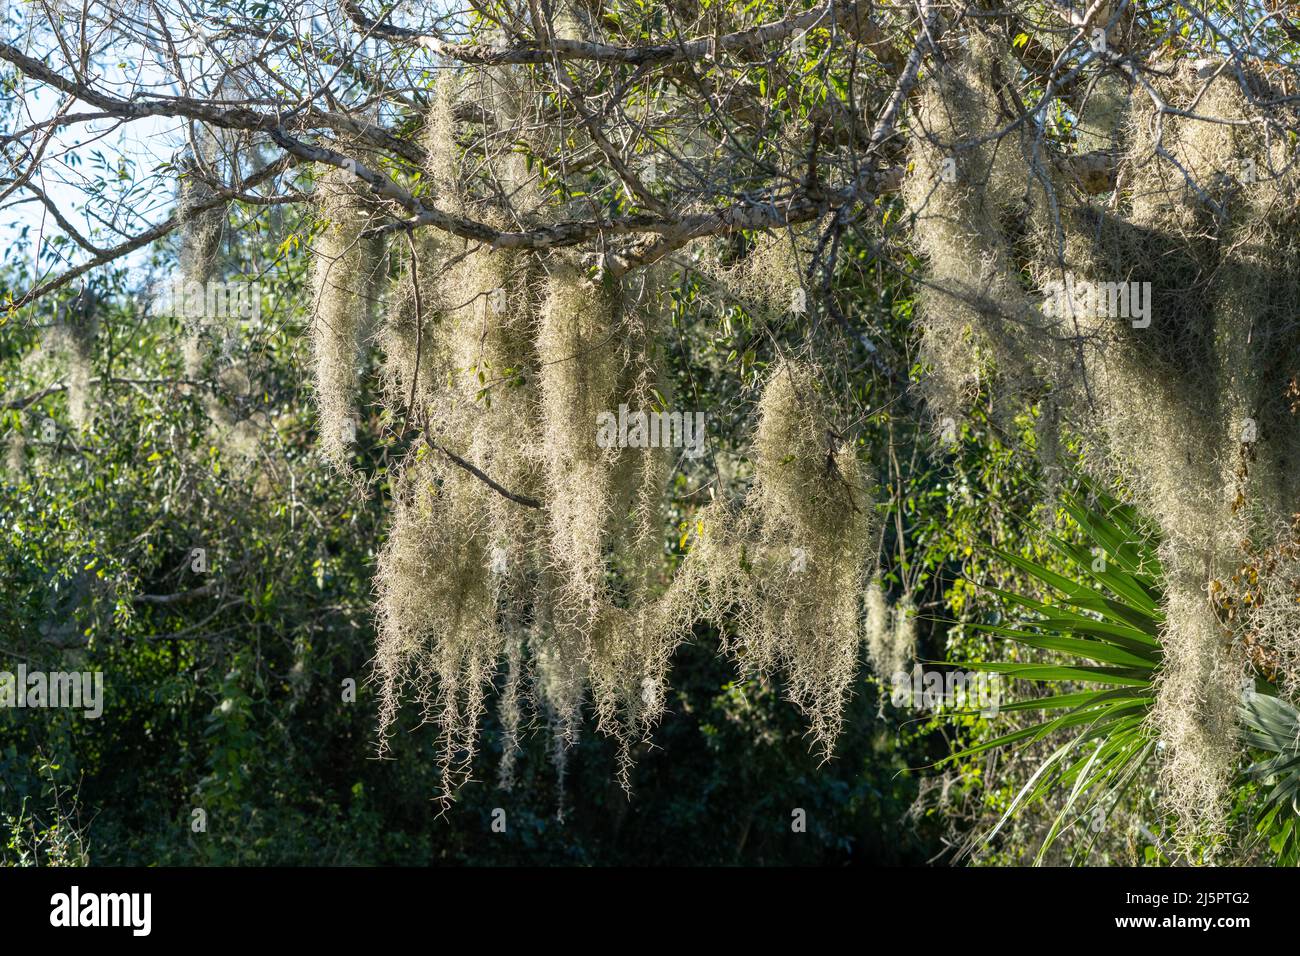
{"type": "Point", "coordinates": [524, 500]}
{"type": "Point", "coordinates": [850, 15]}
{"type": "Point", "coordinates": [179, 597]}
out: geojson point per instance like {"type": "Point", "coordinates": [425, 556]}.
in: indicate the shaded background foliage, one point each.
{"type": "Point", "coordinates": [224, 689]}
{"type": "Point", "coordinates": [225, 684]}
{"type": "Point", "coordinates": [231, 700]}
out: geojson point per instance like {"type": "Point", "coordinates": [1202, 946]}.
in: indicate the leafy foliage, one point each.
{"type": "Point", "coordinates": [1111, 623]}
{"type": "Point", "coordinates": [1100, 624]}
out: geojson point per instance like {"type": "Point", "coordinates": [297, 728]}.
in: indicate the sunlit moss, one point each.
{"type": "Point", "coordinates": [344, 281]}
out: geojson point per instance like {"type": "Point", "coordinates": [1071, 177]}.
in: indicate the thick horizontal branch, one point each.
{"type": "Point", "coordinates": [223, 117]}
{"type": "Point", "coordinates": [179, 597]}
{"type": "Point", "coordinates": [851, 16]}
{"type": "Point", "coordinates": [732, 219]}
{"type": "Point", "coordinates": [649, 236]}
{"type": "Point", "coordinates": [672, 231]}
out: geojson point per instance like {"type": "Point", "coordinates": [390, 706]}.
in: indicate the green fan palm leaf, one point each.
{"type": "Point", "coordinates": [1100, 622]}
{"type": "Point", "coordinates": [1272, 725]}
{"type": "Point", "coordinates": [1102, 616]}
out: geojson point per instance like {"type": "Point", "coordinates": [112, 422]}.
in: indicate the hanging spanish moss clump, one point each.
{"type": "Point", "coordinates": [510, 711]}
{"type": "Point", "coordinates": [487, 412]}
{"type": "Point", "coordinates": [461, 366]}
{"type": "Point", "coordinates": [594, 349]}
{"type": "Point", "coordinates": [1102, 113]}
{"type": "Point", "coordinates": [560, 671]}
{"type": "Point", "coordinates": [581, 354]}
{"type": "Point", "coordinates": [530, 527]}
{"type": "Point", "coordinates": [1184, 402]}
{"type": "Point", "coordinates": [905, 630]}
{"type": "Point", "coordinates": [1196, 703]}
{"type": "Point", "coordinates": [637, 631]}
{"type": "Point", "coordinates": [784, 574]}
{"type": "Point", "coordinates": [344, 280]}
{"type": "Point", "coordinates": [410, 363]}
{"type": "Point", "coordinates": [69, 343]}
{"type": "Point", "coordinates": [879, 623]}
{"type": "Point", "coordinates": [441, 139]}
{"type": "Point", "coordinates": [202, 225]}
{"type": "Point", "coordinates": [767, 277]}
{"type": "Point", "coordinates": [472, 402]}
{"type": "Point", "coordinates": [209, 312]}
{"type": "Point", "coordinates": [16, 456]}
{"type": "Point", "coordinates": [438, 641]}
{"type": "Point", "coordinates": [477, 379]}
{"type": "Point", "coordinates": [642, 470]}
{"type": "Point", "coordinates": [965, 197]}
{"type": "Point", "coordinates": [1158, 333]}
{"type": "Point", "coordinates": [890, 632]}
{"type": "Point", "coordinates": [413, 363]}
{"type": "Point", "coordinates": [813, 508]}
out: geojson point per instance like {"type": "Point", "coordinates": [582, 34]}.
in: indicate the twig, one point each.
{"type": "Point", "coordinates": [480, 474]}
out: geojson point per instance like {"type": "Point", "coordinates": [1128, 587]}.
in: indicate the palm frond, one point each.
{"type": "Point", "coordinates": [1103, 615]}
{"type": "Point", "coordinates": [1099, 622]}
{"type": "Point", "coordinates": [1272, 725]}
